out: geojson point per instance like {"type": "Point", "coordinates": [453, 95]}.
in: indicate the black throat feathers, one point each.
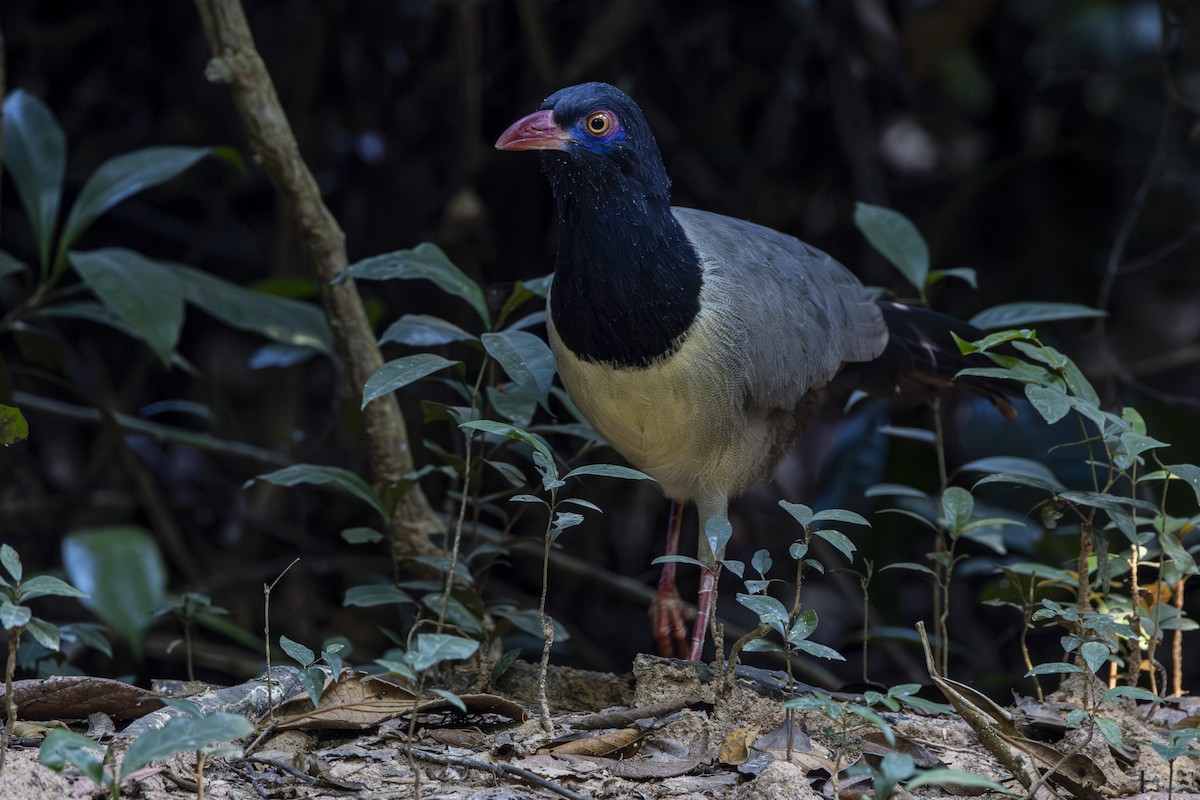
{"type": "Point", "coordinates": [627, 280]}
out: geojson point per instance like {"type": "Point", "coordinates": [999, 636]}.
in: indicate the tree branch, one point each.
{"type": "Point", "coordinates": [237, 64]}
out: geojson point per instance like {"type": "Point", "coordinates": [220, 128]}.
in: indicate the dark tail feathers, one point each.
{"type": "Point", "coordinates": [921, 360]}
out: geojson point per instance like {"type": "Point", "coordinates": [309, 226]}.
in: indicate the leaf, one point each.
{"type": "Point", "coordinates": [840, 515]}
{"type": "Point", "coordinates": [122, 571]}
{"type": "Point", "coordinates": [400, 373]}
{"type": "Point", "coordinates": [512, 432]}
{"type": "Point", "coordinates": [299, 653]}
{"type": "Point", "coordinates": [423, 330]}
{"type": "Point", "coordinates": [1053, 668]}
{"type": "Point", "coordinates": [13, 616]}
{"type": "Point", "coordinates": [1050, 402]}
{"type": "Point", "coordinates": [761, 561]}
{"type": "Point", "coordinates": [35, 152]}
{"type": "Point", "coordinates": [1013, 315]}
{"type": "Point", "coordinates": [11, 560]}
{"type": "Point", "coordinates": [1033, 472]}
{"type": "Point", "coordinates": [609, 471]}
{"type": "Point", "coordinates": [954, 777]}
{"type": "Point", "coordinates": [44, 633]}
{"type": "Point", "coordinates": [361, 535]}
{"type": "Point", "coordinates": [1094, 654]}
{"type": "Point", "coordinates": [965, 274]}
{"type": "Point", "coordinates": [677, 559]}
{"type": "Point", "coordinates": [43, 585]}
{"type": "Point", "coordinates": [280, 319]}
{"type": "Point", "coordinates": [769, 610]}
{"type": "Point", "coordinates": [957, 505]}
{"type": "Point", "coordinates": [894, 235]}
{"type": "Point", "coordinates": [525, 357]}
{"type": "Point", "coordinates": [1189, 474]}
{"type": "Point", "coordinates": [320, 476]}
{"type": "Point", "coordinates": [121, 177]}
{"type": "Point", "coordinates": [1135, 692]}
{"type": "Point", "coordinates": [183, 735]}
{"type": "Point", "coordinates": [818, 650]}
{"type": "Point", "coordinates": [143, 293]}
{"type": "Point", "coordinates": [718, 532]}
{"type": "Point", "coordinates": [838, 540]}
{"type": "Point", "coordinates": [800, 512]}
{"type": "Point", "coordinates": [434, 648]}
{"type": "Point", "coordinates": [13, 426]}
{"type": "Point", "coordinates": [381, 594]}
{"type": "Point", "coordinates": [62, 748]}
{"type": "Point", "coordinates": [9, 265]}
{"type": "Point", "coordinates": [425, 261]}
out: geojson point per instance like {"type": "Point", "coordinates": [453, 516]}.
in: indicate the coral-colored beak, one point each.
{"type": "Point", "coordinates": [538, 131]}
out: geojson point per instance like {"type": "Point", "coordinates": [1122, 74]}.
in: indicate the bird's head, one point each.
{"type": "Point", "coordinates": [593, 137]}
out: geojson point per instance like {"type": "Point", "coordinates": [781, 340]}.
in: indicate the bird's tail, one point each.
{"type": "Point", "coordinates": [921, 360]}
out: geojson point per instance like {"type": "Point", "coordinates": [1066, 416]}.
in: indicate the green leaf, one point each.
{"type": "Point", "coordinates": [800, 512]}
{"type": "Point", "coordinates": [761, 561]}
{"type": "Point", "coordinates": [957, 506]}
{"type": "Point", "coordinates": [608, 471]}
{"type": "Point", "coordinates": [280, 319]}
{"type": "Point", "coordinates": [183, 735]}
{"type": "Point", "coordinates": [320, 476]}
{"type": "Point", "coordinates": [35, 152]}
{"type": "Point", "coordinates": [525, 357]}
{"type": "Point", "coordinates": [957, 777]}
{"type": "Point", "coordinates": [42, 585]}
{"type": "Point", "coordinates": [1033, 472]}
{"type": "Point", "coordinates": [61, 749]}
{"type": "Point", "coordinates": [512, 432]}
{"type": "Point", "coordinates": [425, 261]}
{"type": "Point", "coordinates": [9, 265]}
{"type": "Point", "coordinates": [1111, 730]}
{"type": "Point", "coordinates": [376, 595]}
{"type": "Point", "coordinates": [965, 274]}
{"type": "Point", "coordinates": [1053, 668]}
{"type": "Point", "coordinates": [397, 667]}
{"type": "Point", "coordinates": [1095, 654]}
{"type": "Point", "coordinates": [1012, 315]}
{"type": "Point", "coordinates": [677, 559]}
{"type": "Point", "coordinates": [840, 515]}
{"type": "Point", "coordinates": [718, 532]}
{"type": "Point", "coordinates": [400, 373]}
{"type": "Point", "coordinates": [121, 177]}
{"type": "Point", "coordinates": [769, 610]}
{"type": "Point", "coordinates": [838, 540]}
{"type": "Point", "coordinates": [301, 654]}
{"type": "Point", "coordinates": [11, 560]}
{"type": "Point", "coordinates": [361, 535]}
{"type": "Point", "coordinates": [44, 633]}
{"type": "Point", "coordinates": [818, 650]}
{"type": "Point", "coordinates": [122, 571]}
{"type": "Point", "coordinates": [13, 616]}
{"type": "Point", "coordinates": [13, 427]}
{"type": "Point", "coordinates": [1189, 474]}
{"type": "Point", "coordinates": [423, 330]}
{"type": "Point", "coordinates": [143, 293]}
{"type": "Point", "coordinates": [1050, 402]}
{"type": "Point", "coordinates": [893, 235]}
{"type": "Point", "coordinates": [434, 648]}
{"type": "Point", "coordinates": [1135, 692]}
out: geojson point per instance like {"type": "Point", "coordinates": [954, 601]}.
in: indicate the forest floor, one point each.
{"type": "Point", "coordinates": [669, 730]}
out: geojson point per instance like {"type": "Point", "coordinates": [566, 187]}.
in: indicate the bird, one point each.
{"type": "Point", "coordinates": [698, 345]}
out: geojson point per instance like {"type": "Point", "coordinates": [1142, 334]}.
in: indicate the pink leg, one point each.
{"type": "Point", "coordinates": [666, 612]}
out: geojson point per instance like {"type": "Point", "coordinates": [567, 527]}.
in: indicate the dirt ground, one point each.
{"type": "Point", "coordinates": [669, 730]}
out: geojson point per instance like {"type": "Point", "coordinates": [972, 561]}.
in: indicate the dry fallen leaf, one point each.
{"type": "Point", "coordinates": [620, 743]}
{"type": "Point", "coordinates": [735, 749]}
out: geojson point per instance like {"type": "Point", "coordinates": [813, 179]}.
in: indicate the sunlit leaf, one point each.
{"type": "Point", "coordinates": [526, 358]}
{"type": "Point", "coordinates": [400, 373]}
{"type": "Point", "coordinates": [424, 330]}
{"type": "Point", "coordinates": [608, 471]}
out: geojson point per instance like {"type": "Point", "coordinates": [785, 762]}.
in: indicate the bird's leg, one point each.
{"type": "Point", "coordinates": [666, 612]}
{"type": "Point", "coordinates": [709, 506]}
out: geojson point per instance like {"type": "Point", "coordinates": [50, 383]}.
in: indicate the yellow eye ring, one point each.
{"type": "Point", "coordinates": [599, 123]}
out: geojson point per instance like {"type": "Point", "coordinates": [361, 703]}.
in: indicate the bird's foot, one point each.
{"type": "Point", "coordinates": [669, 619]}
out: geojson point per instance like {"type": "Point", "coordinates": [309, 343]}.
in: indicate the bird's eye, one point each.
{"type": "Point", "coordinates": [600, 123]}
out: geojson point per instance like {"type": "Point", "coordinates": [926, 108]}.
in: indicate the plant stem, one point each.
{"type": "Point", "coordinates": [10, 703]}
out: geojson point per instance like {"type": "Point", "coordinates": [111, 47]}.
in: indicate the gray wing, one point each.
{"type": "Point", "coordinates": [793, 313]}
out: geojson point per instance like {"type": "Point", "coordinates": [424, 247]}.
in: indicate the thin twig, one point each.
{"type": "Point", "coordinates": [499, 770]}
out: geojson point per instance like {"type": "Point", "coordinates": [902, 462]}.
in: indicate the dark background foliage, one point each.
{"type": "Point", "coordinates": [1016, 136]}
